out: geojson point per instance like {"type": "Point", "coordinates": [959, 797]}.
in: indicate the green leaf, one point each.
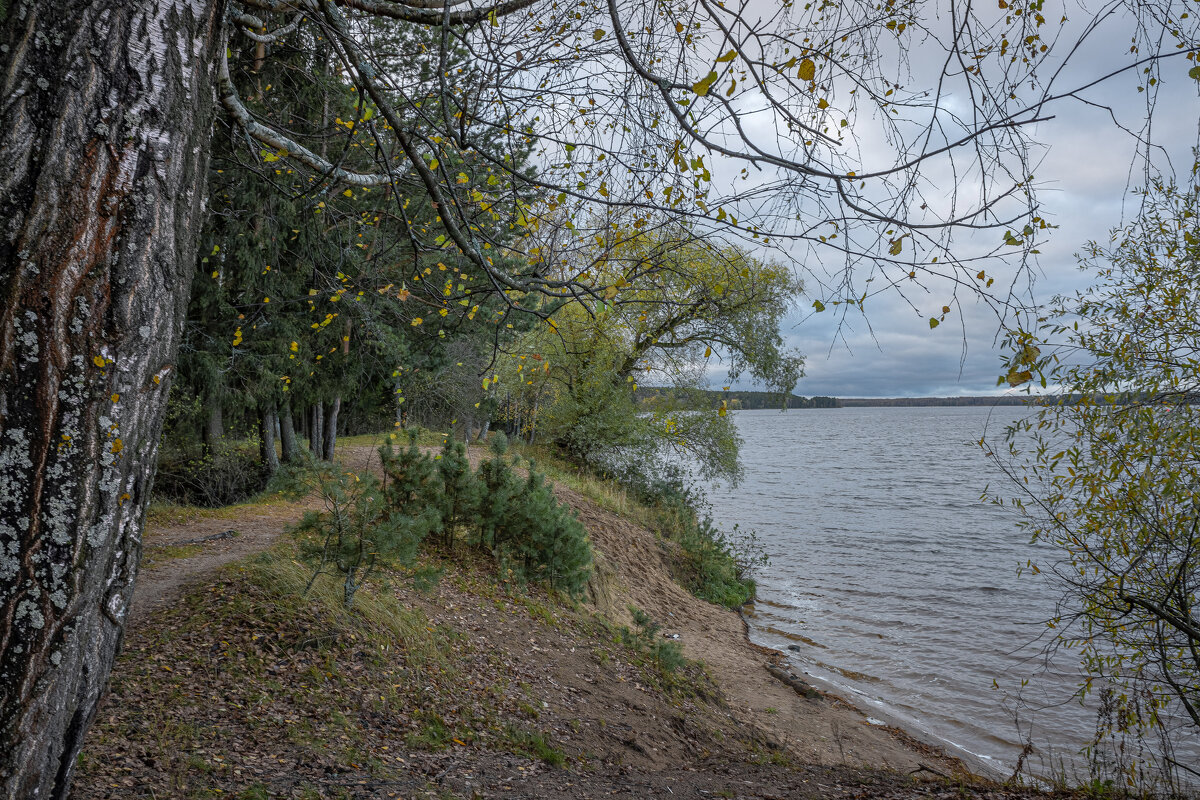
{"type": "Point", "coordinates": [818, 305]}
{"type": "Point", "coordinates": [933, 323]}
{"type": "Point", "coordinates": [1194, 73]}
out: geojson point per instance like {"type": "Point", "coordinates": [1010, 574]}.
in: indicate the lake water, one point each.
{"type": "Point", "coordinates": [894, 583]}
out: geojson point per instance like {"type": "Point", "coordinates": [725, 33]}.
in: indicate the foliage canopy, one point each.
{"type": "Point", "coordinates": [1108, 474]}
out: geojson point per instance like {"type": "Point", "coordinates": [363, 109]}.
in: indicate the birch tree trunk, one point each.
{"type": "Point", "coordinates": [105, 108]}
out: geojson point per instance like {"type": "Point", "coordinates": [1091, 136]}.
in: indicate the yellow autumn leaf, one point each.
{"type": "Point", "coordinates": [416, 321]}
{"type": "Point", "coordinates": [807, 70]}
{"type": "Point", "coordinates": [730, 56]}
{"type": "Point", "coordinates": [702, 86]}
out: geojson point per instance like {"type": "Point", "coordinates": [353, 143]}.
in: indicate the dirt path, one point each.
{"type": "Point", "coordinates": [179, 556]}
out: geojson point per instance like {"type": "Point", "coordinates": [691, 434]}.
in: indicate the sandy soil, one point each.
{"type": "Point", "coordinates": [632, 568]}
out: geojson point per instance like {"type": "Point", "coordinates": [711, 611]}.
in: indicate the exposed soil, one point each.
{"type": "Point", "coordinates": [211, 699]}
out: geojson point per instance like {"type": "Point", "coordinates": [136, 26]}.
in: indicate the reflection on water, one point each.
{"type": "Point", "coordinates": [892, 581]}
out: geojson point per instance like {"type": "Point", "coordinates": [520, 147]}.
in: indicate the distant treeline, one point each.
{"type": "Point", "coordinates": [1182, 398]}
{"type": "Point", "coordinates": [985, 400]}
{"type": "Point", "coordinates": [648, 397]}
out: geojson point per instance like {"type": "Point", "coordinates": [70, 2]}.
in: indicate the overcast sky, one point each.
{"type": "Point", "coordinates": [1084, 179]}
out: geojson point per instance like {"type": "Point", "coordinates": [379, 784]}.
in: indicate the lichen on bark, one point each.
{"type": "Point", "coordinates": [107, 109]}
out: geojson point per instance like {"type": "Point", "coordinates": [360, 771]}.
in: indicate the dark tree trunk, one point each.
{"type": "Point", "coordinates": [287, 434]}
{"type": "Point", "coordinates": [330, 440]}
{"type": "Point", "coordinates": [266, 428]}
{"type": "Point", "coordinates": [316, 431]}
{"type": "Point", "coordinates": [106, 116]}
{"type": "Point", "coordinates": [214, 425]}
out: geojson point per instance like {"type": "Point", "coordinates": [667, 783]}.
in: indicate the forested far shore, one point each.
{"type": "Point", "coordinates": [650, 397]}
{"type": "Point", "coordinates": [979, 400]}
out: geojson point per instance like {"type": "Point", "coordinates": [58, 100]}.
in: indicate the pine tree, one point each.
{"type": "Point", "coordinates": [461, 490]}
{"type": "Point", "coordinates": [545, 539]}
{"type": "Point", "coordinates": [358, 531]}
{"type": "Point", "coordinates": [412, 482]}
{"type": "Point", "coordinates": [500, 489]}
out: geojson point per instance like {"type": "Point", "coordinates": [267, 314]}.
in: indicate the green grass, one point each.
{"type": "Point", "coordinates": [425, 437]}
{"type": "Point", "coordinates": [165, 514]}
{"type": "Point", "coordinates": [377, 615]}
{"type": "Point", "coordinates": [533, 744]}
{"type": "Point", "coordinates": [154, 555]}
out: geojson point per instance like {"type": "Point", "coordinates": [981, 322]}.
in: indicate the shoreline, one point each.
{"type": "Point", "coordinates": [920, 740]}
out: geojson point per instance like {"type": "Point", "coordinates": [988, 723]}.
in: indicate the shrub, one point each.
{"type": "Point", "coordinates": [221, 477]}
{"type": "Point", "coordinates": [411, 478]}
{"type": "Point", "coordinates": [500, 488]}
{"type": "Point", "coordinates": [712, 565]}
{"type": "Point", "coordinates": [667, 656]}
{"type": "Point", "coordinates": [712, 569]}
